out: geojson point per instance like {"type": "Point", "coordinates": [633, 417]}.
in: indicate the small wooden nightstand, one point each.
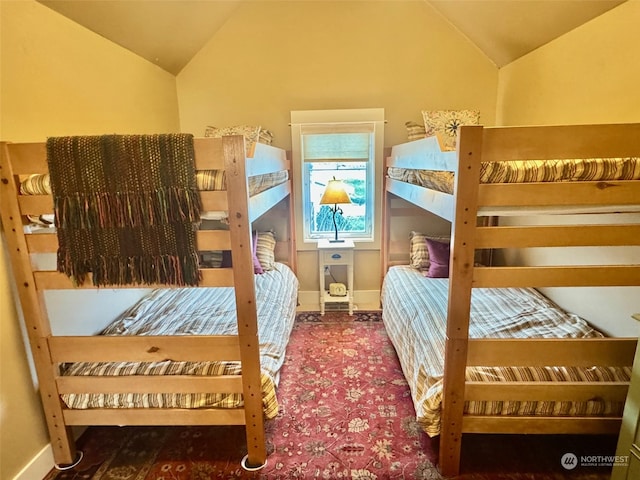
{"type": "Point", "coordinates": [338, 253]}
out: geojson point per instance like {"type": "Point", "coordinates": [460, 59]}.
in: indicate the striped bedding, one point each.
{"type": "Point", "coordinates": [206, 180]}
{"type": "Point", "coordinates": [414, 313]}
{"type": "Point", "coordinates": [40, 184]}
{"type": "Point", "coordinates": [198, 311]}
{"type": "Point", "coordinates": [593, 169]}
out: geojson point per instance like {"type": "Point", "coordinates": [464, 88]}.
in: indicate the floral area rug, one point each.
{"type": "Point", "coordinates": [345, 413]}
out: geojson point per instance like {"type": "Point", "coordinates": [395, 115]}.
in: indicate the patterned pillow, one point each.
{"type": "Point", "coordinates": [265, 137]}
{"type": "Point", "coordinates": [265, 250]}
{"type": "Point", "coordinates": [418, 250]}
{"type": "Point", "coordinates": [415, 131]}
{"type": "Point", "coordinates": [445, 123]}
{"type": "Point", "coordinates": [251, 134]}
{"type": "Point", "coordinates": [257, 266]}
{"type": "Point", "coordinates": [418, 253]}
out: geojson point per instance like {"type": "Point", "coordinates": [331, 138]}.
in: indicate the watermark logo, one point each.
{"type": "Point", "coordinates": [569, 461]}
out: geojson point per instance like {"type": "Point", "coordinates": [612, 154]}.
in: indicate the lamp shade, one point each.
{"type": "Point", "coordinates": [334, 193]}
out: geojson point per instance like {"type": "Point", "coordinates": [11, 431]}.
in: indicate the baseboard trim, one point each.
{"type": "Point", "coordinates": [43, 462]}
{"type": "Point", "coordinates": [309, 300]}
{"type": "Point", "coordinates": [39, 466]}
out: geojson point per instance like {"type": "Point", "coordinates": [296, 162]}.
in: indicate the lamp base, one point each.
{"type": "Point", "coordinates": [336, 241]}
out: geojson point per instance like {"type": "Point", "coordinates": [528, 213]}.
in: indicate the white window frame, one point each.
{"type": "Point", "coordinates": [320, 121]}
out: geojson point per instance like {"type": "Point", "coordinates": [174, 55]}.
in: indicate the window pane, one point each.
{"type": "Point", "coordinates": [353, 219]}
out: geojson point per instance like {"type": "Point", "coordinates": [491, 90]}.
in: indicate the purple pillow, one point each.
{"type": "Point", "coordinates": [438, 259]}
{"type": "Point", "coordinates": [257, 267]}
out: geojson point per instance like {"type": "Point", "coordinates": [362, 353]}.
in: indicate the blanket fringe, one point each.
{"type": "Point", "coordinates": [139, 270]}
{"type": "Point", "coordinates": [127, 209]}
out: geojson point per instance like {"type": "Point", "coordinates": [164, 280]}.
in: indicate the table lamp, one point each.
{"type": "Point", "coordinates": [335, 194]}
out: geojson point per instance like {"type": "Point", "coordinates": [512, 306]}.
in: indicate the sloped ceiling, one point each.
{"type": "Point", "coordinates": [505, 30]}
{"type": "Point", "coordinates": [170, 32]}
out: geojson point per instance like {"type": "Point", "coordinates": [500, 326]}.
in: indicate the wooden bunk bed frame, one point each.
{"type": "Point", "coordinates": [228, 153]}
{"type": "Point", "coordinates": [478, 144]}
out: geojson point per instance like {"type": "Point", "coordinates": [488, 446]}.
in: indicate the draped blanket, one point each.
{"type": "Point", "coordinates": [126, 208]}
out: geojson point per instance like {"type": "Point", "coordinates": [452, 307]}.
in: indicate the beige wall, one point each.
{"type": "Point", "coordinates": [589, 75]}
{"type": "Point", "coordinates": [274, 57]}
{"type": "Point", "coordinates": [278, 57]}
{"type": "Point", "coordinates": [58, 78]}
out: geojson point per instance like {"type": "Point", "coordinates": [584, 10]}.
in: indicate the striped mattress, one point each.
{"type": "Point", "coordinates": [198, 311]}
{"type": "Point", "coordinates": [593, 170]}
{"type": "Point", "coordinates": [40, 183]}
{"type": "Point", "coordinates": [206, 180]}
{"type": "Point", "coordinates": [414, 313]}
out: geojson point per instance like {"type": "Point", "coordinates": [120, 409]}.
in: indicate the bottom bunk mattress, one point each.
{"type": "Point", "coordinates": [414, 313]}
{"type": "Point", "coordinates": [198, 311]}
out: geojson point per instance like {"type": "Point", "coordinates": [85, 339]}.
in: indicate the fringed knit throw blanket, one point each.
{"type": "Point", "coordinates": [126, 208]}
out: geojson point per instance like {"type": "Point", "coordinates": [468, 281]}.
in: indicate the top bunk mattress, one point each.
{"type": "Point", "coordinates": [198, 311]}
{"type": "Point", "coordinates": [207, 180]}
{"type": "Point", "coordinates": [414, 313]}
{"type": "Point", "coordinates": [524, 171]}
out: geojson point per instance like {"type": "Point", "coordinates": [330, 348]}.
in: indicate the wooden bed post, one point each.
{"type": "Point", "coordinates": [240, 234]}
{"type": "Point", "coordinates": [33, 310]}
{"type": "Point", "coordinates": [467, 177]}
{"type": "Point", "coordinates": [386, 228]}
{"type": "Point", "coordinates": [293, 248]}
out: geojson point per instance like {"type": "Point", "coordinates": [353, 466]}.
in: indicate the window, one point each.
{"type": "Point", "coordinates": [344, 150]}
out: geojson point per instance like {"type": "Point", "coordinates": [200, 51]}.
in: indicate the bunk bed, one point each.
{"type": "Point", "coordinates": [226, 363]}
{"type": "Point", "coordinates": [451, 340]}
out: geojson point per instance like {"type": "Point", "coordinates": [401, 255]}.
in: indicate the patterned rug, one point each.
{"type": "Point", "coordinates": [345, 413]}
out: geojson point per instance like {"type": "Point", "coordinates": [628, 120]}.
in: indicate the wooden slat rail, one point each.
{"type": "Point", "coordinates": [557, 276]}
{"type": "Point", "coordinates": [155, 416]}
{"type": "Point", "coordinates": [585, 352]}
{"type": "Point", "coordinates": [144, 348]}
{"type": "Point", "coordinates": [35, 204]}
{"type": "Point", "coordinates": [206, 240]}
{"type": "Point", "coordinates": [545, 425]}
{"type": "Point", "coordinates": [561, 142]}
{"type": "Point", "coordinates": [51, 280]}
{"type": "Point", "coordinates": [150, 384]}
{"type": "Point", "coordinates": [28, 158]}
{"type": "Point", "coordinates": [31, 158]}
{"type": "Point", "coordinates": [209, 153]}
{"type": "Point", "coordinates": [558, 236]}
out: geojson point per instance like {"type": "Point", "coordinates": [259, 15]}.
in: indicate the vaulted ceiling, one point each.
{"type": "Point", "coordinates": [503, 29]}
